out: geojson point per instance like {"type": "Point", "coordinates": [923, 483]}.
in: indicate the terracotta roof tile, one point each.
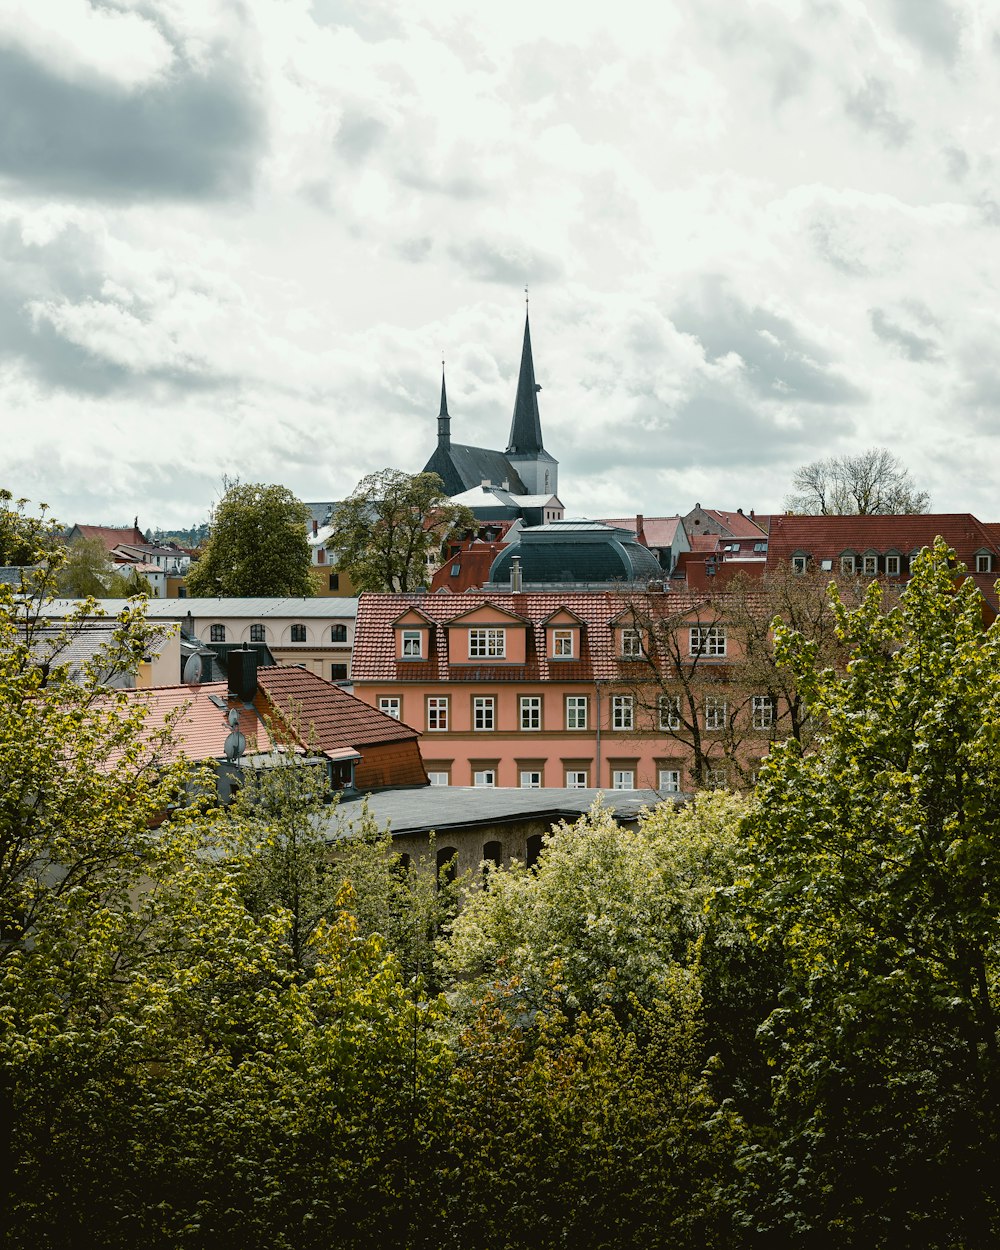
{"type": "Point", "coordinates": [737, 523]}
{"type": "Point", "coordinates": [827, 537]}
{"type": "Point", "coordinates": [325, 716]}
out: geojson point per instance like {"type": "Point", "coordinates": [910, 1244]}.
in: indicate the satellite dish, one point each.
{"type": "Point", "coordinates": [193, 669]}
{"type": "Point", "coordinates": [234, 717]}
{"type": "Point", "coordinates": [235, 745]}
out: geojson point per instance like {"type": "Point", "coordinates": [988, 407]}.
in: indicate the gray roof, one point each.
{"type": "Point", "coordinates": [421, 809]}
{"type": "Point", "coordinates": [201, 609]}
{"type": "Point", "coordinates": [526, 424]}
{"type": "Point", "coordinates": [461, 468]}
{"type": "Point", "coordinates": [15, 574]}
{"type": "Point", "coordinates": [563, 552]}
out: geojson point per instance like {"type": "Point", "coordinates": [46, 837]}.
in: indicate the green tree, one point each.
{"type": "Point", "coordinates": [385, 530]}
{"type": "Point", "coordinates": [259, 545]}
{"type": "Point", "coordinates": [24, 539]}
{"type": "Point", "coordinates": [876, 877]}
{"type": "Point", "coordinates": [873, 481]}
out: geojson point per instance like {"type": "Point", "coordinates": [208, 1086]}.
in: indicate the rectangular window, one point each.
{"type": "Point", "coordinates": [869, 565]}
{"type": "Point", "coordinates": [622, 712]}
{"type": "Point", "coordinates": [338, 633]}
{"type": "Point", "coordinates": [258, 633]}
{"type": "Point", "coordinates": [763, 711]}
{"type": "Point", "coordinates": [484, 777]}
{"type": "Point", "coordinates": [483, 712]}
{"type": "Point", "coordinates": [531, 780]}
{"type": "Point", "coordinates": [708, 640]}
{"type": "Point", "coordinates": [392, 707]}
{"type": "Point", "coordinates": [670, 781]}
{"type": "Point", "coordinates": [716, 711]}
{"type": "Point", "coordinates": [892, 566]}
{"type": "Point", "coordinates": [984, 563]}
{"type": "Point", "coordinates": [413, 642]}
{"type": "Point", "coordinates": [631, 644]}
{"type": "Point", "coordinates": [439, 779]}
{"type": "Point", "coordinates": [338, 672]}
{"type": "Point", "coordinates": [623, 779]}
{"type": "Point", "coordinates": [715, 778]}
{"type": "Point", "coordinates": [760, 546]}
{"type": "Point", "coordinates": [437, 713]}
{"type": "Point", "coordinates": [669, 706]}
{"type": "Point", "coordinates": [799, 564]}
{"type": "Point", "coordinates": [576, 711]}
{"type": "Point", "coordinates": [847, 564]}
{"type": "Point", "coordinates": [562, 644]}
{"type": "Point", "coordinates": [576, 780]}
{"type": "Point", "coordinates": [531, 711]}
{"type": "Point", "coordinates": [217, 633]}
{"type": "Point", "coordinates": [334, 581]}
{"type": "Point", "coordinates": [487, 643]}
{"type": "Point", "coordinates": [298, 633]}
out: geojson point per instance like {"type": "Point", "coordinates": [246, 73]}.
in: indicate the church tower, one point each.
{"type": "Point", "coordinates": [534, 466]}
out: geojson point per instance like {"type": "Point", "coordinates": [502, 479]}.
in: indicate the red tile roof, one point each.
{"type": "Point", "coordinates": [656, 531]}
{"type": "Point", "coordinates": [827, 537]}
{"type": "Point", "coordinates": [374, 657]}
{"type": "Point", "coordinates": [111, 535]}
{"type": "Point", "coordinates": [706, 542]}
{"type": "Point", "coordinates": [737, 523]}
{"type": "Point", "coordinates": [324, 715]}
{"type": "Point", "coordinates": [473, 562]}
{"type": "Point", "coordinates": [200, 727]}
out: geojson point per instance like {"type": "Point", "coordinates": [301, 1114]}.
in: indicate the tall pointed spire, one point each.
{"type": "Point", "coordinates": [444, 420]}
{"type": "Point", "coordinates": [526, 425]}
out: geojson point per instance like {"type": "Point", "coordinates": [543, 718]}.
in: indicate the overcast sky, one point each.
{"type": "Point", "coordinates": [238, 238]}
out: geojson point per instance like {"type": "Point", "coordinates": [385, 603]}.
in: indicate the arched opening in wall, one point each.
{"type": "Point", "coordinates": [492, 854]}
{"type": "Point", "coordinates": [403, 864]}
{"type": "Point", "coordinates": [447, 865]}
{"type": "Point", "coordinates": [534, 849]}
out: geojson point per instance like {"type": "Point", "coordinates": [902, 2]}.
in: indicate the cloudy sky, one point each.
{"type": "Point", "coordinates": [238, 236]}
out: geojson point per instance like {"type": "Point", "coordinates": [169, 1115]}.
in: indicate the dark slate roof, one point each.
{"type": "Point", "coordinates": [577, 552]}
{"type": "Point", "coordinates": [374, 657]}
{"type": "Point", "coordinates": [17, 574]}
{"type": "Point", "coordinates": [325, 716]}
{"type": "Point", "coordinates": [526, 425]}
{"type": "Point", "coordinates": [458, 807]}
{"type": "Point", "coordinates": [461, 468]}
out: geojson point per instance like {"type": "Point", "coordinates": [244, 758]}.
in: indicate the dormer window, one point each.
{"type": "Point", "coordinates": [631, 644]}
{"type": "Point", "coordinates": [984, 562]}
{"type": "Point", "coordinates": [412, 643]}
{"type": "Point", "coordinates": [800, 564]}
{"type": "Point", "coordinates": [487, 643]}
{"type": "Point", "coordinates": [562, 644]}
{"type": "Point", "coordinates": [892, 565]}
{"type": "Point", "coordinates": [847, 564]}
{"type": "Point", "coordinates": [870, 566]}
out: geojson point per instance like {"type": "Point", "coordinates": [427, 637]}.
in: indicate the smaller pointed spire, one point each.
{"type": "Point", "coordinates": [444, 420]}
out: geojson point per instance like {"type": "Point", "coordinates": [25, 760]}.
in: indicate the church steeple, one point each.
{"type": "Point", "coordinates": [444, 420]}
{"type": "Point", "coordinates": [526, 425]}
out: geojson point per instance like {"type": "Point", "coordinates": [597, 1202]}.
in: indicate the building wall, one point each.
{"type": "Point", "coordinates": [390, 764]}
{"type": "Point", "coordinates": [319, 652]}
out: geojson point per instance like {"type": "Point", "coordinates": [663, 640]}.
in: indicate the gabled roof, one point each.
{"type": "Point", "coordinates": [826, 537]}
{"type": "Point", "coordinates": [200, 727]}
{"type": "Point", "coordinates": [651, 531]}
{"type": "Point", "coordinates": [108, 535]}
{"type": "Point", "coordinates": [374, 657]}
{"type": "Point", "coordinates": [473, 563]}
{"type": "Point", "coordinates": [736, 523]}
{"type": "Point", "coordinates": [325, 716]}
{"type": "Point", "coordinates": [479, 609]}
{"type": "Point", "coordinates": [461, 468]}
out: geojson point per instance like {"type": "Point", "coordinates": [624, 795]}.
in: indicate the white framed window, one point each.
{"type": "Point", "coordinates": [800, 564]}
{"type": "Point", "coordinates": [716, 778]}
{"type": "Point", "coordinates": [631, 644]}
{"type": "Point", "coordinates": [576, 711]}
{"type": "Point", "coordinates": [847, 564]}
{"type": "Point", "coordinates": [439, 779]}
{"type": "Point", "coordinates": [892, 566]}
{"type": "Point", "coordinates": [622, 711]}
{"type": "Point", "coordinates": [707, 640]}
{"type": "Point", "coordinates": [869, 565]}
{"type": "Point", "coordinates": [826, 565]}
{"type": "Point", "coordinates": [762, 546]}
{"type": "Point", "coordinates": [763, 711]}
{"type": "Point", "coordinates": [716, 711]}
{"type": "Point", "coordinates": [576, 779]}
{"type": "Point", "coordinates": [530, 780]}
{"type": "Point", "coordinates": [392, 706]}
{"type": "Point", "coordinates": [984, 563]}
{"type": "Point", "coordinates": [484, 777]}
{"type": "Point", "coordinates": [437, 713]}
{"type": "Point", "coordinates": [562, 644]}
{"type": "Point", "coordinates": [669, 707]}
{"type": "Point", "coordinates": [413, 642]}
{"type": "Point", "coordinates": [488, 643]}
{"type": "Point", "coordinates": [530, 709]}
{"type": "Point", "coordinates": [484, 712]}
{"type": "Point", "coordinates": [670, 781]}
{"type": "Point", "coordinates": [623, 779]}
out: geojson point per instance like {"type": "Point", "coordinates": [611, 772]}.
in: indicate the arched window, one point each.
{"type": "Point", "coordinates": [298, 633]}
{"type": "Point", "coordinates": [217, 633]}
{"type": "Point", "coordinates": [492, 854]}
{"type": "Point", "coordinates": [534, 849]}
{"type": "Point", "coordinates": [258, 633]}
{"type": "Point", "coordinates": [447, 865]}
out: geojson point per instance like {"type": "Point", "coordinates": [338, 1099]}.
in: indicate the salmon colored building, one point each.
{"type": "Point", "coordinates": [527, 689]}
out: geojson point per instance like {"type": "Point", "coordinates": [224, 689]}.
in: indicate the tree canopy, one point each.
{"type": "Point", "coordinates": [259, 545]}
{"type": "Point", "coordinates": [873, 481]}
{"type": "Point", "coordinates": [24, 537]}
{"type": "Point", "coordinates": [385, 530]}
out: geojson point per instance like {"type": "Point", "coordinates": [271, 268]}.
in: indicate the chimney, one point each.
{"type": "Point", "coordinates": [515, 574]}
{"type": "Point", "coordinates": [315, 527]}
{"type": "Point", "coordinates": [241, 669]}
{"type": "Point", "coordinates": [638, 523]}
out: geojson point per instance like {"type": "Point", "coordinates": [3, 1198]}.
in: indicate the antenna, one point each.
{"type": "Point", "coordinates": [193, 669]}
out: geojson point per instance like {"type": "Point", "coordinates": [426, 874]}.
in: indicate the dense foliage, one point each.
{"type": "Point", "coordinates": [748, 1021]}
{"type": "Point", "coordinates": [258, 547]}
